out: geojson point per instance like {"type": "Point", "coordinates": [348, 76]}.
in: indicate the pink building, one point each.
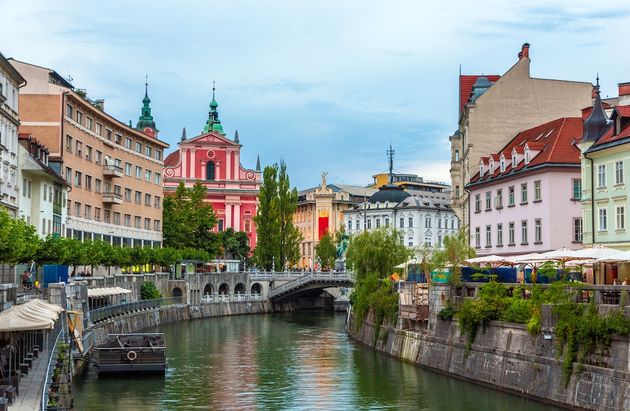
{"type": "Point", "coordinates": [526, 197]}
{"type": "Point", "coordinates": [215, 160]}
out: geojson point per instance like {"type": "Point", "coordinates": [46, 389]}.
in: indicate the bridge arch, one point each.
{"type": "Point", "coordinates": [177, 292]}
{"type": "Point", "coordinates": [256, 288]}
{"type": "Point", "coordinates": [224, 289]}
{"type": "Point", "coordinates": [208, 289]}
{"type": "Point", "coordinates": [239, 289]}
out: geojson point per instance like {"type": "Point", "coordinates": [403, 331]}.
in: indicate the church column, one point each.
{"type": "Point", "coordinates": [228, 169]}
{"type": "Point", "coordinates": [193, 163]}
{"type": "Point", "coordinates": [217, 170]}
{"type": "Point", "coordinates": [184, 153]}
{"type": "Point", "coordinates": [228, 216]}
{"type": "Point", "coordinates": [237, 217]}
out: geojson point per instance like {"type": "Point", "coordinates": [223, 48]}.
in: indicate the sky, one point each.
{"type": "Point", "coordinates": [323, 85]}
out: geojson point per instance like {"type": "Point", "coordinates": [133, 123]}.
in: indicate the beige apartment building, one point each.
{"type": "Point", "coordinates": [114, 170]}
{"type": "Point", "coordinates": [494, 109]}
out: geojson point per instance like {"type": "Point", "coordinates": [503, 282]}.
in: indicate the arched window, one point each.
{"type": "Point", "coordinates": [210, 170]}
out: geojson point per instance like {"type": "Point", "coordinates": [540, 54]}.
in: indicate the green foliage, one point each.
{"type": "Point", "coordinates": [376, 251]}
{"type": "Point", "coordinates": [374, 293]}
{"type": "Point", "coordinates": [326, 251]}
{"type": "Point", "coordinates": [234, 244]}
{"type": "Point", "coordinates": [455, 249]}
{"type": "Point", "coordinates": [18, 241]}
{"type": "Point", "coordinates": [581, 331]}
{"type": "Point", "coordinates": [149, 291]}
{"type": "Point", "coordinates": [278, 239]}
{"type": "Point", "coordinates": [188, 220]}
{"type": "Point", "coordinates": [447, 313]}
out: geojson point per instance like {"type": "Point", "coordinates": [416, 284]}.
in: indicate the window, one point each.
{"type": "Point", "coordinates": [29, 187]}
{"type": "Point", "coordinates": [488, 200]}
{"type": "Point", "coordinates": [78, 176]}
{"type": "Point", "coordinates": [147, 223]}
{"type": "Point", "coordinates": [148, 151]}
{"type": "Point", "coordinates": [427, 222]}
{"type": "Point", "coordinates": [511, 196]}
{"type": "Point", "coordinates": [147, 175]}
{"type": "Point", "coordinates": [499, 235]}
{"type": "Point", "coordinates": [109, 134]}
{"type": "Point", "coordinates": [477, 203]}
{"type": "Point", "coordinates": [68, 110]}
{"type": "Point", "coordinates": [127, 220]}
{"type": "Point", "coordinates": [158, 155]}
{"type": "Point", "coordinates": [88, 123]}
{"type": "Point", "coordinates": [386, 221]}
{"type": "Point", "coordinates": [402, 222]}
{"type": "Point", "coordinates": [79, 146]}
{"type": "Point", "coordinates": [118, 139]}
{"type": "Point", "coordinates": [128, 194]}
{"type": "Point", "coordinates": [524, 232]}
{"type": "Point", "coordinates": [158, 178]}
{"type": "Point", "coordinates": [411, 222]}
{"type": "Point", "coordinates": [601, 175]}
{"type": "Point", "coordinates": [137, 222]}
{"type": "Point", "coordinates": [77, 209]}
{"type": "Point", "coordinates": [128, 143]}
{"type": "Point", "coordinates": [127, 169]}
{"type": "Point", "coordinates": [488, 236]}
{"type": "Point", "coordinates": [88, 211]}
{"type": "Point", "coordinates": [619, 172]}
{"type": "Point", "coordinates": [378, 223]}
{"type": "Point", "coordinates": [45, 189]}
{"type": "Point", "coordinates": [248, 226]}
{"type": "Point", "coordinates": [147, 200]}
{"type": "Point", "coordinates": [602, 219]}
{"type": "Point", "coordinates": [69, 143]}
{"type": "Point", "coordinates": [537, 191]}
{"type": "Point", "coordinates": [69, 175]}
{"type": "Point", "coordinates": [97, 213]}
{"type": "Point", "coordinates": [107, 216]}
{"type": "Point", "coordinates": [138, 197]}
{"type": "Point", "coordinates": [117, 189]}
{"type": "Point", "coordinates": [97, 185]}
{"type": "Point", "coordinates": [524, 193]}
{"type": "Point", "coordinates": [457, 190]}
{"type": "Point", "coordinates": [99, 157]}
{"type": "Point", "coordinates": [99, 129]}
{"type": "Point", "coordinates": [138, 172]}
{"type": "Point", "coordinates": [577, 189]}
{"type": "Point", "coordinates": [158, 203]}
{"type": "Point", "coordinates": [456, 155]}
{"type": "Point", "coordinates": [477, 237]}
{"type": "Point", "coordinates": [620, 217]}
{"type": "Point", "coordinates": [210, 171]}
{"type": "Point", "coordinates": [356, 225]}
{"type": "Point", "coordinates": [511, 239]}
{"type": "Point", "coordinates": [138, 147]}
{"type": "Point", "coordinates": [537, 231]}
{"type": "Point", "coordinates": [79, 117]}
{"type": "Point", "coordinates": [88, 183]}
{"type": "Point", "coordinates": [23, 187]}
{"type": "Point", "coordinates": [88, 153]}
{"type": "Point", "coordinates": [369, 224]}
{"type": "Point", "coordinates": [499, 199]}
{"type": "Point", "coordinates": [577, 230]}
{"type": "Point", "coordinates": [116, 218]}
{"type": "Point", "coordinates": [156, 225]}
{"type": "Point", "coordinates": [349, 225]}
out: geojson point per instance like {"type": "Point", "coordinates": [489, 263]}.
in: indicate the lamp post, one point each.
{"type": "Point", "coordinates": [273, 263]}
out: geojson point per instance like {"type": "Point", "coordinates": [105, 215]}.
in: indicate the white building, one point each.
{"type": "Point", "coordinates": [422, 217]}
{"type": "Point", "coordinates": [10, 82]}
{"type": "Point", "coordinates": [44, 191]}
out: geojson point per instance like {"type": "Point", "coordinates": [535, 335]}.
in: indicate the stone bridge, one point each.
{"type": "Point", "coordinates": [311, 282]}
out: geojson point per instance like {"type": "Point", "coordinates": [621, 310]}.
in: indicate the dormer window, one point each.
{"type": "Point", "coordinates": [514, 160]}
{"type": "Point", "coordinates": [481, 170]}
{"type": "Point", "coordinates": [527, 156]}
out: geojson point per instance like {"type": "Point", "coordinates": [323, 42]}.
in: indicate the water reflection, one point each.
{"type": "Point", "coordinates": [301, 361]}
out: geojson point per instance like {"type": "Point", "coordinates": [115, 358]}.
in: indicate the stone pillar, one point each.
{"type": "Point", "coordinates": [438, 300]}
{"type": "Point", "coordinates": [57, 294]}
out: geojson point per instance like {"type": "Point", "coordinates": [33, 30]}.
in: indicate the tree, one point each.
{"type": "Point", "coordinates": [456, 249]}
{"type": "Point", "coordinates": [188, 220]}
{"type": "Point", "coordinates": [376, 252]}
{"type": "Point", "coordinates": [278, 239]}
{"type": "Point", "coordinates": [18, 241]}
{"type": "Point", "coordinates": [149, 291]}
{"type": "Point", "coordinates": [326, 251]}
{"type": "Point", "coordinates": [235, 244]}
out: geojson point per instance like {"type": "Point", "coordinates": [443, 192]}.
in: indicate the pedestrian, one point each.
{"type": "Point", "coordinates": [25, 277]}
{"type": "Point", "coordinates": [36, 286]}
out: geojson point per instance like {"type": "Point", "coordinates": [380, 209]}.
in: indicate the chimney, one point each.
{"type": "Point", "coordinates": [520, 55]}
{"type": "Point", "coordinates": [100, 104]}
{"type": "Point", "coordinates": [525, 50]}
{"type": "Point", "coordinates": [624, 93]}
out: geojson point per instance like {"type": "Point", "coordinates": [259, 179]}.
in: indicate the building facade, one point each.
{"type": "Point", "coordinates": [422, 218]}
{"type": "Point", "coordinates": [605, 150]}
{"type": "Point", "coordinates": [493, 109]}
{"type": "Point", "coordinates": [43, 191]}
{"type": "Point", "coordinates": [320, 210]}
{"type": "Point", "coordinates": [114, 169]}
{"type": "Point", "coordinates": [525, 197]}
{"type": "Point", "coordinates": [408, 182]}
{"type": "Point", "coordinates": [10, 83]}
{"type": "Point", "coordinates": [215, 160]}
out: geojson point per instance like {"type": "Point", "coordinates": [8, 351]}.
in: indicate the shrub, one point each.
{"type": "Point", "coordinates": [149, 291]}
{"type": "Point", "coordinates": [447, 313]}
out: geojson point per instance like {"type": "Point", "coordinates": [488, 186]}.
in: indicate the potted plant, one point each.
{"type": "Point", "coordinates": [56, 374]}
{"type": "Point", "coordinates": [53, 404]}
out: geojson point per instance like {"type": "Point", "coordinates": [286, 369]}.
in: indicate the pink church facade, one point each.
{"type": "Point", "coordinates": [232, 189]}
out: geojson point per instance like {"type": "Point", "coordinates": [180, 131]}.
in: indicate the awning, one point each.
{"type": "Point", "coordinates": [32, 315]}
{"type": "Point", "coordinates": [106, 291]}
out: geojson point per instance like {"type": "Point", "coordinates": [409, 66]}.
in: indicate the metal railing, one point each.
{"type": "Point", "coordinates": [61, 337]}
{"type": "Point", "coordinates": [225, 298]}
{"type": "Point", "coordinates": [343, 276]}
{"type": "Point", "coordinates": [104, 313]}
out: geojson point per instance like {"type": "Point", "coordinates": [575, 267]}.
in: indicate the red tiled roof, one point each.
{"type": "Point", "coordinates": [484, 159]}
{"type": "Point", "coordinates": [608, 136]}
{"type": "Point", "coordinates": [519, 149]}
{"type": "Point", "coordinates": [466, 82]}
{"type": "Point", "coordinates": [558, 145]}
{"type": "Point", "coordinates": [623, 111]}
{"type": "Point", "coordinates": [495, 156]}
{"type": "Point", "coordinates": [172, 159]}
{"type": "Point", "coordinates": [586, 111]}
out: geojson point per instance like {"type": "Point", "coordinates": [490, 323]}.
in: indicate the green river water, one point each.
{"type": "Point", "coordinates": [299, 361]}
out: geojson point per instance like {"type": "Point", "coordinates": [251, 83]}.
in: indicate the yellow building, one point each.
{"type": "Point", "coordinates": [409, 182]}
{"type": "Point", "coordinates": [320, 210]}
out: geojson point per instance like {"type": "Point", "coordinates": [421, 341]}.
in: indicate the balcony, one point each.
{"type": "Point", "coordinates": [112, 198]}
{"type": "Point", "coordinates": [112, 170]}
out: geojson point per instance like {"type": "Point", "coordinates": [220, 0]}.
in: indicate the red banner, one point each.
{"type": "Point", "coordinates": [323, 226]}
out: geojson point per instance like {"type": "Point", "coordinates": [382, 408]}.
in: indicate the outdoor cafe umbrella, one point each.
{"type": "Point", "coordinates": [491, 260]}
{"type": "Point", "coordinates": [404, 265]}
{"type": "Point", "coordinates": [614, 257]}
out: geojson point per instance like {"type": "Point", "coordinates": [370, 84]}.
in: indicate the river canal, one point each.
{"type": "Point", "coordinates": [299, 361]}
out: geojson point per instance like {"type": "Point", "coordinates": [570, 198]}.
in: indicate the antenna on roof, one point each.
{"type": "Point", "coordinates": [390, 153]}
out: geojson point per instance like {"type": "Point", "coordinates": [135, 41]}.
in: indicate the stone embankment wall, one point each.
{"type": "Point", "coordinates": [507, 357]}
{"type": "Point", "coordinates": [135, 322]}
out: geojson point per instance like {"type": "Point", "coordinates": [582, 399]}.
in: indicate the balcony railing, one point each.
{"type": "Point", "coordinates": [111, 197]}
{"type": "Point", "coordinates": [112, 170]}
